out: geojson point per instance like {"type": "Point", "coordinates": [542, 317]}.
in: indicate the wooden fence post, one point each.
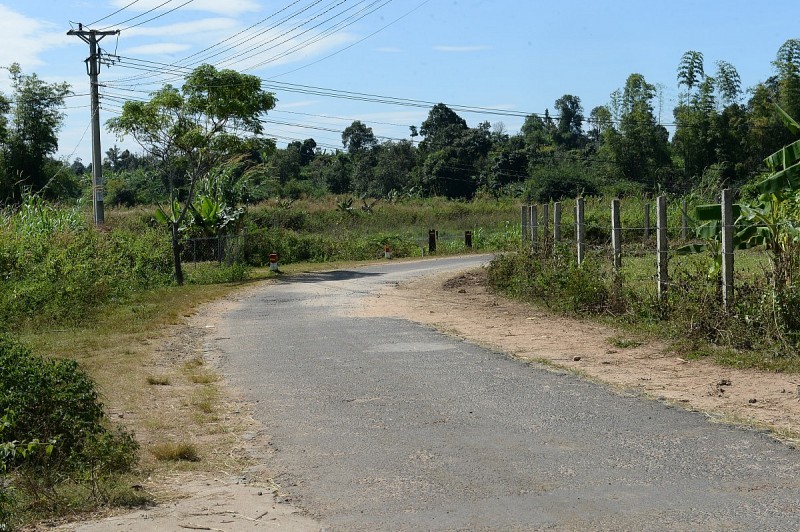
{"type": "Point", "coordinates": [525, 218]}
{"type": "Point", "coordinates": [616, 234]}
{"type": "Point", "coordinates": [432, 241]}
{"type": "Point", "coordinates": [727, 249]}
{"type": "Point", "coordinates": [557, 221]}
{"type": "Point", "coordinates": [580, 230]}
{"type": "Point", "coordinates": [534, 226]}
{"type": "Point", "coordinates": [661, 246]}
{"type": "Point", "coordinates": [647, 221]}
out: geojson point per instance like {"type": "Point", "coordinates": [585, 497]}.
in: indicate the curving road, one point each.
{"type": "Point", "coordinates": [383, 424]}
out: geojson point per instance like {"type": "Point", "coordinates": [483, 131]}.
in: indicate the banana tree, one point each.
{"type": "Point", "coordinates": [773, 220]}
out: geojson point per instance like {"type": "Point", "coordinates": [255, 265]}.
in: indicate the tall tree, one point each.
{"type": "Point", "coordinates": [690, 70]}
{"type": "Point", "coordinates": [358, 138]}
{"type": "Point", "coordinates": [638, 150]}
{"type": "Point", "coordinates": [29, 130]}
{"type": "Point", "coordinates": [569, 132]}
{"type": "Point", "coordinates": [787, 63]}
{"type": "Point", "coordinates": [729, 84]}
{"type": "Point", "coordinates": [215, 115]}
{"type": "Point", "coordinates": [442, 128]}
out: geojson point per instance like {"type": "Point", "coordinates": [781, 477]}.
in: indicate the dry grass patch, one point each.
{"type": "Point", "coordinates": [203, 378]}
{"type": "Point", "coordinates": [158, 380]}
{"type": "Point", "coordinates": [175, 452]}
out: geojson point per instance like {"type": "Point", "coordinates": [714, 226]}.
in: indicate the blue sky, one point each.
{"type": "Point", "coordinates": [509, 55]}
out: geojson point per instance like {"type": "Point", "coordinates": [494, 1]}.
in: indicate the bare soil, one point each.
{"type": "Point", "coordinates": [233, 487]}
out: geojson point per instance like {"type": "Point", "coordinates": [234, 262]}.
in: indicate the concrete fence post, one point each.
{"type": "Point", "coordinates": [616, 234]}
{"type": "Point", "coordinates": [727, 249]}
{"type": "Point", "coordinates": [580, 230]}
{"type": "Point", "coordinates": [661, 247]}
{"type": "Point", "coordinates": [557, 221]}
{"type": "Point", "coordinates": [534, 224]}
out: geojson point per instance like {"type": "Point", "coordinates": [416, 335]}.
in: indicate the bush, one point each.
{"type": "Point", "coordinates": [555, 281]}
{"type": "Point", "coordinates": [63, 276]}
{"type": "Point", "coordinates": [54, 430]}
{"type": "Point", "coordinates": [47, 400]}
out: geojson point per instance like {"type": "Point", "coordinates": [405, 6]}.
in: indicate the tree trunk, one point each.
{"type": "Point", "coordinates": [176, 254]}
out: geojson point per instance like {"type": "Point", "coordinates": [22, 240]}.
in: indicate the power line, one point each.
{"type": "Point", "coordinates": [159, 16]}
{"type": "Point", "coordinates": [353, 44]}
{"type": "Point", "coordinates": [140, 14]}
{"type": "Point", "coordinates": [112, 14]}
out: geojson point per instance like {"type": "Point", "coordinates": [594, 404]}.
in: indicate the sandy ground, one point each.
{"type": "Point", "coordinates": [240, 492]}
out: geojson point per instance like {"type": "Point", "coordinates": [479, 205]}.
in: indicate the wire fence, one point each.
{"type": "Point", "coordinates": [220, 249]}
{"type": "Point", "coordinates": [651, 251]}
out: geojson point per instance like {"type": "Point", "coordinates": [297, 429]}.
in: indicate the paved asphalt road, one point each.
{"type": "Point", "coordinates": [383, 424]}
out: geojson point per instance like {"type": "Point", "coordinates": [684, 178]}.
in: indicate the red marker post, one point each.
{"type": "Point", "coordinates": [273, 262]}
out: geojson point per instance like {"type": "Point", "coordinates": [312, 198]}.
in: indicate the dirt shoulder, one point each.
{"type": "Point", "coordinates": [465, 306]}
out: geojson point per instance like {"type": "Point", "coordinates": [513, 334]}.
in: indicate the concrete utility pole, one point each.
{"type": "Point", "coordinates": [92, 37]}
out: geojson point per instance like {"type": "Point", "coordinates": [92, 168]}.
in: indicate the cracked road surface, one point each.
{"type": "Point", "coordinates": [383, 424]}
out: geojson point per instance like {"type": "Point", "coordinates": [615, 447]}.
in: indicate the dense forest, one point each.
{"type": "Point", "coordinates": [719, 135]}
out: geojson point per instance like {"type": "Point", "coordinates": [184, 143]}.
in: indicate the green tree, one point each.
{"type": "Point", "coordinates": [29, 130]}
{"type": "Point", "coordinates": [639, 150]}
{"type": "Point", "coordinates": [729, 84]}
{"type": "Point", "coordinates": [442, 128]}
{"type": "Point", "coordinates": [787, 63]}
{"type": "Point", "coordinates": [214, 116]}
{"type": "Point", "coordinates": [569, 131]}
{"type": "Point", "coordinates": [358, 138]}
{"type": "Point", "coordinates": [690, 70]}
{"type": "Point", "coordinates": [394, 166]}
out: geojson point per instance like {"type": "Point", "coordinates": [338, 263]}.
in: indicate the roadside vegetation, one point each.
{"type": "Point", "coordinates": [212, 197]}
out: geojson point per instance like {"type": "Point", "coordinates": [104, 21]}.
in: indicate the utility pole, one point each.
{"type": "Point", "coordinates": [92, 37]}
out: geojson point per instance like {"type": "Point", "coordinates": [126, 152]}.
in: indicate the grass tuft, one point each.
{"type": "Point", "coordinates": [158, 380]}
{"type": "Point", "coordinates": [175, 452]}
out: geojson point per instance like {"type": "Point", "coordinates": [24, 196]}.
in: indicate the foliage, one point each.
{"type": "Point", "coordinates": [54, 431]}
{"type": "Point", "coordinates": [213, 117]}
{"type": "Point", "coordinates": [555, 281]}
{"type": "Point", "coordinates": [61, 274]}
{"type": "Point", "coordinates": [29, 124]}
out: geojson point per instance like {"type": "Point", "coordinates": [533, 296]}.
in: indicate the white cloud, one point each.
{"type": "Point", "coordinates": [31, 37]}
{"type": "Point", "coordinates": [199, 28]}
{"type": "Point", "coordinates": [274, 49]}
{"type": "Point", "coordinates": [222, 7]}
{"type": "Point", "coordinates": [296, 105]}
{"type": "Point", "coordinates": [461, 49]}
{"type": "Point", "coordinates": [164, 48]}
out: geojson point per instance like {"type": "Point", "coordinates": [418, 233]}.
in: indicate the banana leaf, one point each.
{"type": "Point", "coordinates": [784, 157]}
{"type": "Point", "coordinates": [793, 126]}
{"type": "Point", "coordinates": [786, 179]}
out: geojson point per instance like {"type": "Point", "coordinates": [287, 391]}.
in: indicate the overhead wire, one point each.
{"type": "Point", "coordinates": [158, 16]}
{"type": "Point", "coordinates": [352, 44]}
{"type": "Point", "coordinates": [139, 15]}
{"type": "Point", "coordinates": [169, 68]}
{"type": "Point", "coordinates": [120, 10]}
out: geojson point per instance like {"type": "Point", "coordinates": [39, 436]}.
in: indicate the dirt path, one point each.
{"type": "Point", "coordinates": [464, 306]}
{"type": "Point", "coordinates": [237, 492]}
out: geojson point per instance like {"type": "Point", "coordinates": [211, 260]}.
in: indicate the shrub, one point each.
{"type": "Point", "coordinates": [55, 400]}
{"type": "Point", "coordinates": [555, 281]}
